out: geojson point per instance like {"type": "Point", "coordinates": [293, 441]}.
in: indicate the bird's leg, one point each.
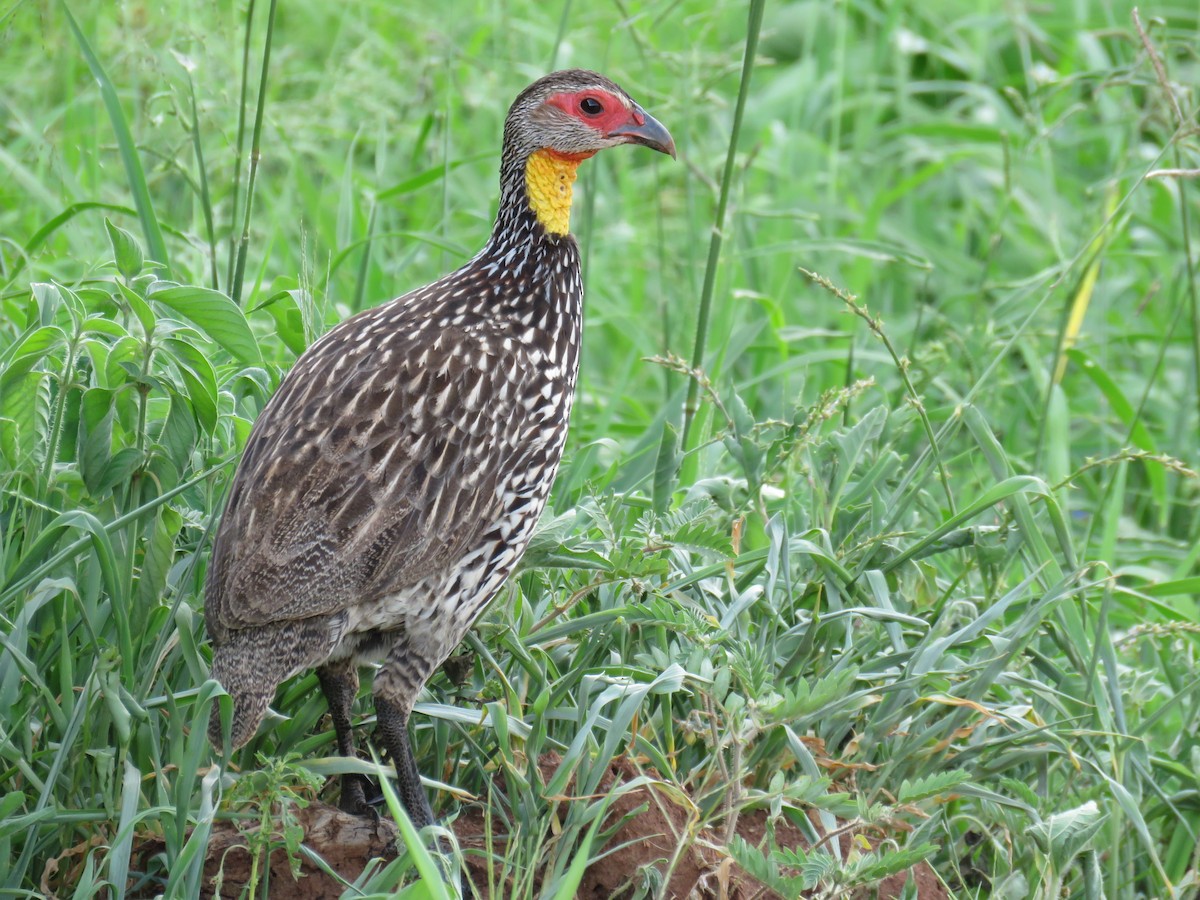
{"type": "Point", "coordinates": [339, 684]}
{"type": "Point", "coordinates": [391, 730]}
{"type": "Point", "coordinates": [397, 684]}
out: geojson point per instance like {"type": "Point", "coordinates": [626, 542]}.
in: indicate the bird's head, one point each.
{"type": "Point", "coordinates": [578, 113]}
{"type": "Point", "coordinates": [561, 120]}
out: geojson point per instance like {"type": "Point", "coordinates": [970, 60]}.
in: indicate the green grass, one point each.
{"type": "Point", "coordinates": [926, 560]}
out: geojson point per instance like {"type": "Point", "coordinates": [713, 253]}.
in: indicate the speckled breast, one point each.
{"type": "Point", "coordinates": [502, 445]}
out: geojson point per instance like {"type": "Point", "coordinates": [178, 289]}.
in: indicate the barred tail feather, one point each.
{"type": "Point", "coordinates": [250, 664]}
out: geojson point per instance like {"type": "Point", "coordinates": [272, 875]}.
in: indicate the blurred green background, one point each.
{"type": "Point", "coordinates": [1003, 519]}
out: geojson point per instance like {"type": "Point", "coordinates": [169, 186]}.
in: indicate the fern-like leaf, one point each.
{"type": "Point", "coordinates": [930, 786]}
{"type": "Point", "coordinates": [875, 867]}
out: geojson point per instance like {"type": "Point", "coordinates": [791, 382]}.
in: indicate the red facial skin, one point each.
{"type": "Point", "coordinates": [614, 115]}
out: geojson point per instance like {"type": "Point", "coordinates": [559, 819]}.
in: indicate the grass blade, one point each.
{"type": "Point", "coordinates": [754, 23]}
{"type": "Point", "coordinates": [129, 155]}
{"type": "Point", "coordinates": [243, 247]}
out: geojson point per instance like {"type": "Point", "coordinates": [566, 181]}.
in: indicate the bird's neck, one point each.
{"type": "Point", "coordinates": [549, 182]}
{"type": "Point", "coordinates": [536, 190]}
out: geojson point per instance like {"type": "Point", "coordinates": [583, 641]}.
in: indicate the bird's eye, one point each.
{"type": "Point", "coordinates": [591, 106]}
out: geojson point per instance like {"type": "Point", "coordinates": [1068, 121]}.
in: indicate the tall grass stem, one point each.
{"type": "Point", "coordinates": [235, 287]}
{"type": "Point", "coordinates": [202, 180]}
{"type": "Point", "coordinates": [240, 147]}
{"type": "Point", "coordinates": [754, 24]}
{"type": "Point", "coordinates": [134, 173]}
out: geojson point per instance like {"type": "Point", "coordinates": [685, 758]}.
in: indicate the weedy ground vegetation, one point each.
{"type": "Point", "coordinates": [880, 504]}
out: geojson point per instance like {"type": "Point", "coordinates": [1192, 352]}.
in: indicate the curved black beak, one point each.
{"type": "Point", "coordinates": [650, 133]}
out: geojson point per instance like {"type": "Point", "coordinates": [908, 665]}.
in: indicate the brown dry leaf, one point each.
{"type": "Point", "coordinates": [53, 866]}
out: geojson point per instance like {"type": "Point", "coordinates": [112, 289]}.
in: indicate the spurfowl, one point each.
{"type": "Point", "coordinates": [394, 480]}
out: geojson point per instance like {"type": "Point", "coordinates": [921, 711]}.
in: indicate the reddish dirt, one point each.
{"type": "Point", "coordinates": [649, 838]}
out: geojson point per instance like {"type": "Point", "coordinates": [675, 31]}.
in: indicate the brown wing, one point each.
{"type": "Point", "coordinates": [374, 466]}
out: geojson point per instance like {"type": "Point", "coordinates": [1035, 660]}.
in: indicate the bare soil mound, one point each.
{"type": "Point", "coordinates": [648, 839]}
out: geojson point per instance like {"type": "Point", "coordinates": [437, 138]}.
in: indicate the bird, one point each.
{"type": "Point", "coordinates": [394, 480]}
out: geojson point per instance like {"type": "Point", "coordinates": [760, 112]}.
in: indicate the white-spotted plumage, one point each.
{"type": "Point", "coordinates": [400, 444]}
{"type": "Point", "coordinates": [394, 480]}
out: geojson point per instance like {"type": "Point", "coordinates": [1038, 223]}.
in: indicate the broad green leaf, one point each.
{"type": "Point", "coordinates": [200, 381]}
{"type": "Point", "coordinates": [178, 435]}
{"type": "Point", "coordinates": [95, 436]}
{"type": "Point", "coordinates": [120, 468]}
{"type": "Point", "coordinates": [141, 309]}
{"type": "Point", "coordinates": [214, 314]}
{"type": "Point", "coordinates": [127, 252]}
{"type": "Point", "coordinates": [123, 362]}
{"type": "Point", "coordinates": [158, 555]}
{"type": "Point", "coordinates": [22, 355]}
{"type": "Point", "coordinates": [1064, 835]}
{"type": "Point", "coordinates": [289, 320]}
{"type": "Point", "coordinates": [25, 401]}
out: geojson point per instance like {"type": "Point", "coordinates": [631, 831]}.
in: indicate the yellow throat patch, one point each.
{"type": "Point", "coordinates": [549, 179]}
